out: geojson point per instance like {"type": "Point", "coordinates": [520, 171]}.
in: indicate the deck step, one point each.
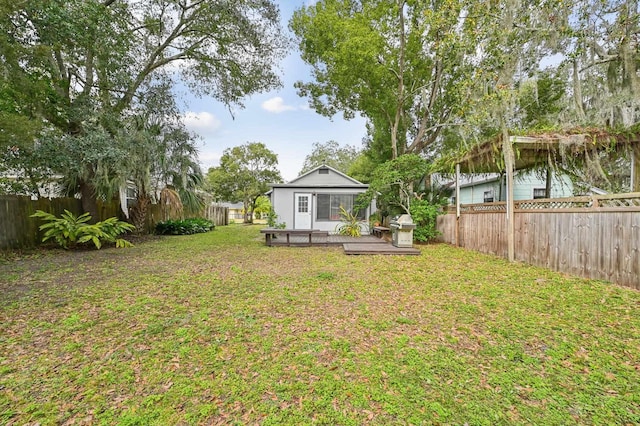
{"type": "Point", "coordinates": [359, 248]}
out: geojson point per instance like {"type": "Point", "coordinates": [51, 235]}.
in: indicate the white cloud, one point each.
{"type": "Point", "coordinates": [276, 105]}
{"type": "Point", "coordinates": [202, 123]}
{"type": "Point", "coordinates": [209, 158]}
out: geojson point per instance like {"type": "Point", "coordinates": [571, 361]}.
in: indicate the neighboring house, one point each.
{"type": "Point", "coordinates": [313, 200]}
{"type": "Point", "coordinates": [236, 211]}
{"type": "Point", "coordinates": [527, 185]}
{"type": "Point", "coordinates": [49, 188]}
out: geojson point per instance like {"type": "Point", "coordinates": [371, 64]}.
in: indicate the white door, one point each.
{"type": "Point", "coordinates": [303, 211]}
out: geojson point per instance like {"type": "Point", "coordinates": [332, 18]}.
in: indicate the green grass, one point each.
{"type": "Point", "coordinates": [216, 328]}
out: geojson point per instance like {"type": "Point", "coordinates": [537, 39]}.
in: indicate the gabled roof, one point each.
{"type": "Point", "coordinates": [324, 166]}
{"type": "Point", "coordinates": [349, 182]}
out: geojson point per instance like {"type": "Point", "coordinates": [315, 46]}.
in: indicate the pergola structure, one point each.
{"type": "Point", "coordinates": [539, 150]}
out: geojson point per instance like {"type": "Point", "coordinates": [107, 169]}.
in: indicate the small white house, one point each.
{"type": "Point", "coordinates": [313, 200]}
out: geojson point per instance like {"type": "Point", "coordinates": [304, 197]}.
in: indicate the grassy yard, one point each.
{"type": "Point", "coordinates": [218, 329]}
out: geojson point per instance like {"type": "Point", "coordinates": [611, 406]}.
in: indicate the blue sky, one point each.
{"type": "Point", "coordinates": [280, 119]}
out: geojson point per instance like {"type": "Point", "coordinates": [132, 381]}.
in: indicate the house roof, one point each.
{"type": "Point", "coordinates": [350, 182]}
{"type": "Point", "coordinates": [231, 205]}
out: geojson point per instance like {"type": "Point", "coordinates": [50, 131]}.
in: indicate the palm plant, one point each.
{"type": "Point", "coordinates": [350, 225]}
{"type": "Point", "coordinates": [163, 167]}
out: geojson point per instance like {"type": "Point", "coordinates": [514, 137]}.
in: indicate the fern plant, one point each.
{"type": "Point", "coordinates": [69, 230]}
{"type": "Point", "coordinates": [350, 225]}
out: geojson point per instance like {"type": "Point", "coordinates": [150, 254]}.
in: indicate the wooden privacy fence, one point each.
{"type": "Point", "coordinates": [593, 237]}
{"type": "Point", "coordinates": [218, 215]}
{"type": "Point", "coordinates": [19, 230]}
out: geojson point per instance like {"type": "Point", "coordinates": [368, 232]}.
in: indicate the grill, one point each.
{"type": "Point", "coordinates": [402, 231]}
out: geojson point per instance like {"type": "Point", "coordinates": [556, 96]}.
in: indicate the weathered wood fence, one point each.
{"type": "Point", "coordinates": [19, 230]}
{"type": "Point", "coordinates": [593, 237]}
{"type": "Point", "coordinates": [217, 215]}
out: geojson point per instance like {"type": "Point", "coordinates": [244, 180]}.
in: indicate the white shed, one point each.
{"type": "Point", "coordinates": [313, 200]}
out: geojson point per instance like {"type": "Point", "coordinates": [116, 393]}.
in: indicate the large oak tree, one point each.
{"type": "Point", "coordinates": [401, 64]}
{"type": "Point", "coordinates": [72, 61]}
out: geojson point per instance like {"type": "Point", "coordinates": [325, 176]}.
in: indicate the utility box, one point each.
{"type": "Point", "coordinates": [402, 231]}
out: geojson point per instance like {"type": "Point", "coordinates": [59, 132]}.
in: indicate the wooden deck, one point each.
{"type": "Point", "coordinates": [358, 248]}
{"type": "Point", "coordinates": [366, 244]}
{"type": "Point", "coordinates": [330, 240]}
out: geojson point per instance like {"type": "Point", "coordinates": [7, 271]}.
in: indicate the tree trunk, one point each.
{"type": "Point", "coordinates": [247, 212]}
{"type": "Point", "coordinates": [547, 187]}
{"type": "Point", "coordinates": [89, 200]}
{"type": "Point", "coordinates": [577, 93]}
{"type": "Point", "coordinates": [138, 213]}
{"type": "Point", "coordinates": [396, 151]}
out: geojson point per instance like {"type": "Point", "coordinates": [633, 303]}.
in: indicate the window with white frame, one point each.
{"type": "Point", "coordinates": [488, 196]}
{"type": "Point", "coordinates": [328, 206]}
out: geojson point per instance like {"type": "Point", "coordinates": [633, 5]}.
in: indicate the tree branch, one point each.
{"type": "Point", "coordinates": [151, 64]}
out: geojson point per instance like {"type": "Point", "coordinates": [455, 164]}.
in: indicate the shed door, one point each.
{"type": "Point", "coordinates": [302, 211]}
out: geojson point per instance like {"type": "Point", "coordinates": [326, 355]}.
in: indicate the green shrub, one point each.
{"type": "Point", "coordinates": [184, 227]}
{"type": "Point", "coordinates": [272, 220]}
{"type": "Point", "coordinates": [424, 215]}
{"type": "Point", "coordinates": [69, 230]}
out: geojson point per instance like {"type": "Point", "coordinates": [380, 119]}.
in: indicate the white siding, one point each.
{"type": "Point", "coordinates": [282, 200]}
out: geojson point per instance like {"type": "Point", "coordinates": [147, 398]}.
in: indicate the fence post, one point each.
{"type": "Point", "coordinates": [458, 205]}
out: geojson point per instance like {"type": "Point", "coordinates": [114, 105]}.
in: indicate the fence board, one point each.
{"type": "Point", "coordinates": [19, 230]}
{"type": "Point", "coordinates": [446, 224]}
{"type": "Point", "coordinates": [218, 215]}
{"type": "Point", "coordinates": [596, 244]}
{"type": "Point", "coordinates": [484, 232]}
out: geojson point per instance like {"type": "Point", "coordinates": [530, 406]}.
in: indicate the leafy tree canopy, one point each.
{"type": "Point", "coordinates": [401, 64]}
{"type": "Point", "coordinates": [331, 154]}
{"type": "Point", "coordinates": [362, 168]}
{"type": "Point", "coordinates": [392, 183]}
{"type": "Point", "coordinates": [244, 174]}
{"type": "Point", "coordinates": [79, 66]}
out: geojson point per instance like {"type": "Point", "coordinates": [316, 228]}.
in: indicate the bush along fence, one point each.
{"type": "Point", "coordinates": [19, 230]}
{"type": "Point", "coordinates": [593, 237]}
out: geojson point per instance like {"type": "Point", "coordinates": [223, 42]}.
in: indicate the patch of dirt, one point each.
{"type": "Point", "coordinates": [44, 268]}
